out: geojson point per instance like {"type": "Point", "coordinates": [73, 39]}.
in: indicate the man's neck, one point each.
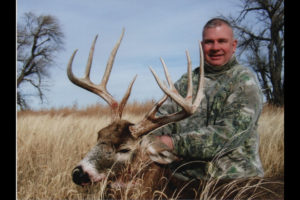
{"type": "Point", "coordinates": [210, 69]}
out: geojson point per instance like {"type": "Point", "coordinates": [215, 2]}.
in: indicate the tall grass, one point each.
{"type": "Point", "coordinates": [51, 142]}
{"type": "Point", "coordinates": [271, 129]}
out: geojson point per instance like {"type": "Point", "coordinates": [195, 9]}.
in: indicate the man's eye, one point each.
{"type": "Point", "coordinates": [208, 42]}
{"type": "Point", "coordinates": [223, 41]}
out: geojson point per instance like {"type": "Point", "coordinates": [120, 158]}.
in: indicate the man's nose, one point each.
{"type": "Point", "coordinates": [215, 46]}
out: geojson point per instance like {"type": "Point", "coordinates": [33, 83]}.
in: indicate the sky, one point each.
{"type": "Point", "coordinates": [153, 29]}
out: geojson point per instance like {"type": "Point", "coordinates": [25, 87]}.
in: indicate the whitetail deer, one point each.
{"type": "Point", "coordinates": [116, 142]}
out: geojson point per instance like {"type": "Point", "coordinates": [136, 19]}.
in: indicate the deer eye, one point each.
{"type": "Point", "coordinates": [124, 150]}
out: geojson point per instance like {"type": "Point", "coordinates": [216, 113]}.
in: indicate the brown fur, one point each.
{"type": "Point", "coordinates": [116, 133]}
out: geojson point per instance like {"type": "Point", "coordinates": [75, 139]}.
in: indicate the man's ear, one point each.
{"type": "Point", "coordinates": [234, 45]}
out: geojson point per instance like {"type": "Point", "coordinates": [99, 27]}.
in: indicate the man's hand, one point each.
{"type": "Point", "coordinates": [159, 148]}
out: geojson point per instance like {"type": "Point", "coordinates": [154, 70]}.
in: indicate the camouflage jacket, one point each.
{"type": "Point", "coordinates": [220, 140]}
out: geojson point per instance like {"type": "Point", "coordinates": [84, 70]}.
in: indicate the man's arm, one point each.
{"type": "Point", "coordinates": [234, 125]}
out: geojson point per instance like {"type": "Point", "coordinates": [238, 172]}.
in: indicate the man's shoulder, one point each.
{"type": "Point", "coordinates": [245, 76]}
{"type": "Point", "coordinates": [242, 68]}
{"type": "Point", "coordinates": [243, 72]}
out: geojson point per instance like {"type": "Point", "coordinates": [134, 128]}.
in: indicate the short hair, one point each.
{"type": "Point", "coordinates": [215, 22]}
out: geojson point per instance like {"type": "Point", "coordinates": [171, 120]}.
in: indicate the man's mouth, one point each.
{"type": "Point", "coordinates": [216, 56]}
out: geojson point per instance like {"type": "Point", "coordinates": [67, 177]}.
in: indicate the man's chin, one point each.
{"type": "Point", "coordinates": [216, 62]}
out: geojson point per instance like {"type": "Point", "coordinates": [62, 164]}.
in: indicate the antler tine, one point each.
{"type": "Point", "coordinates": [155, 108]}
{"type": "Point", "coordinates": [151, 122]}
{"type": "Point", "coordinates": [171, 92]}
{"type": "Point", "coordinates": [200, 94]}
{"type": "Point", "coordinates": [110, 61]}
{"type": "Point", "coordinates": [70, 74]}
{"type": "Point", "coordinates": [125, 98]}
{"type": "Point", "coordinates": [186, 102]}
{"type": "Point", "coordinates": [189, 94]}
{"type": "Point", "coordinates": [170, 82]}
{"type": "Point", "coordinates": [85, 82]}
{"type": "Point", "coordinates": [90, 59]}
{"type": "Point", "coordinates": [100, 89]}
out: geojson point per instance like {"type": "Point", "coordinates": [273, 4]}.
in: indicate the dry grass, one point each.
{"type": "Point", "coordinates": [50, 143]}
{"type": "Point", "coordinates": [271, 129]}
{"type": "Point", "coordinates": [133, 108]}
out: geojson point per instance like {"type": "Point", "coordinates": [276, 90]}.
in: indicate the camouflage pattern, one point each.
{"type": "Point", "coordinates": [220, 140]}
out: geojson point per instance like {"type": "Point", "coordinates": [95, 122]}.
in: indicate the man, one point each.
{"type": "Point", "coordinates": [220, 140]}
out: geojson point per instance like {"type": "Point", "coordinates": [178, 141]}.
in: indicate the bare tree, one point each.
{"type": "Point", "coordinates": [38, 39]}
{"type": "Point", "coordinates": [260, 31]}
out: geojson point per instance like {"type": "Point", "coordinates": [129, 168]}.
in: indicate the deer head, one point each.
{"type": "Point", "coordinates": [116, 142]}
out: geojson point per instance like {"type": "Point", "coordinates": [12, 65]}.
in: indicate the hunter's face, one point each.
{"type": "Point", "coordinates": [218, 45]}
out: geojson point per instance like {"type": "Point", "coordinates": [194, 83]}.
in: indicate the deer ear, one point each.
{"type": "Point", "coordinates": [157, 150]}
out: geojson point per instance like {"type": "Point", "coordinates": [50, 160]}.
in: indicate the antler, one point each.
{"type": "Point", "coordinates": [100, 90]}
{"type": "Point", "coordinates": [151, 122]}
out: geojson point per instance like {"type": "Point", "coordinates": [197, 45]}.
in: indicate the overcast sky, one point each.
{"type": "Point", "coordinates": [153, 29]}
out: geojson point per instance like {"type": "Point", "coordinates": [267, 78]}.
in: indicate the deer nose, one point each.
{"type": "Point", "coordinates": [79, 176]}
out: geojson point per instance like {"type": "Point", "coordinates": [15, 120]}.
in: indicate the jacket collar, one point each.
{"type": "Point", "coordinates": [210, 70]}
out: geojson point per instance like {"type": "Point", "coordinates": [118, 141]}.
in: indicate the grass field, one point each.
{"type": "Point", "coordinates": [51, 142]}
